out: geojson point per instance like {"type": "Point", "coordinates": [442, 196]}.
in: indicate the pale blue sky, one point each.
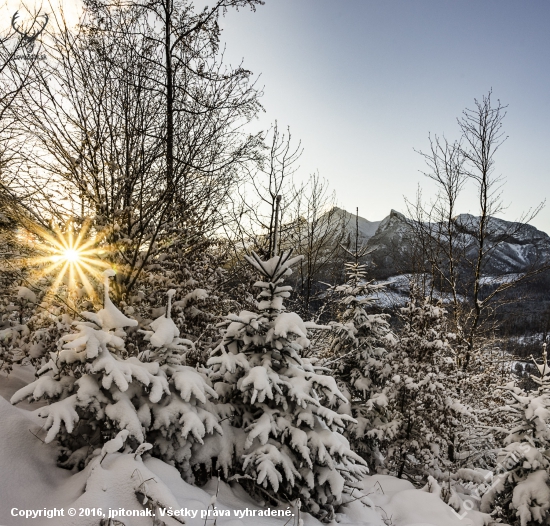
{"type": "Point", "coordinates": [363, 82]}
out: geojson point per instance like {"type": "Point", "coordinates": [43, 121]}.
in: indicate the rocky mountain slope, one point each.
{"type": "Point", "coordinates": [513, 247]}
{"type": "Point", "coordinates": [367, 228]}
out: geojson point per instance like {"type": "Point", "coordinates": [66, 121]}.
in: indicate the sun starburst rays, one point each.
{"type": "Point", "coordinates": [71, 259]}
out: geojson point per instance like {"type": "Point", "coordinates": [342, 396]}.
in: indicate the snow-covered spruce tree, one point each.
{"type": "Point", "coordinates": [520, 492]}
{"type": "Point", "coordinates": [35, 317]}
{"type": "Point", "coordinates": [16, 307]}
{"type": "Point", "coordinates": [94, 391]}
{"type": "Point", "coordinates": [283, 438]}
{"type": "Point", "coordinates": [202, 296]}
{"type": "Point", "coordinates": [361, 363]}
{"type": "Point", "coordinates": [424, 398]}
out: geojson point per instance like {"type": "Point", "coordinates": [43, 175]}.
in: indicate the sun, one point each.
{"type": "Point", "coordinates": [72, 255]}
{"type": "Point", "coordinates": [71, 258]}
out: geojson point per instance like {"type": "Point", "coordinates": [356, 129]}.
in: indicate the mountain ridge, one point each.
{"type": "Point", "coordinates": [514, 247]}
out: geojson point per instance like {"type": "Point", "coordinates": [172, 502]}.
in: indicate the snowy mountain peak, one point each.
{"type": "Point", "coordinates": [517, 245]}
{"type": "Point", "coordinates": [367, 228]}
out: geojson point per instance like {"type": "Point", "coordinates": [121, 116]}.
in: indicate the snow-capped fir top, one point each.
{"type": "Point", "coordinates": [165, 330]}
{"type": "Point", "coordinates": [109, 317]}
{"type": "Point", "coordinates": [271, 330]}
{"type": "Point", "coordinates": [275, 268]}
{"type": "Point", "coordinates": [270, 299]}
{"type": "Point", "coordinates": [170, 295]}
{"type": "Point", "coordinates": [357, 328]}
{"type": "Point", "coordinates": [357, 292]}
{"type": "Point", "coordinates": [543, 368]}
{"type": "Point", "coordinates": [165, 333]}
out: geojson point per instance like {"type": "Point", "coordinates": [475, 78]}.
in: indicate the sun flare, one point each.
{"type": "Point", "coordinates": [71, 258]}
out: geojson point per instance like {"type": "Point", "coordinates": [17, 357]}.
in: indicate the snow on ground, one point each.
{"type": "Point", "coordinates": [18, 378]}
{"type": "Point", "coordinates": [399, 503]}
{"type": "Point", "coordinates": [500, 280]}
{"type": "Point", "coordinates": [389, 299]}
{"type": "Point", "coordinates": [397, 291]}
{"type": "Point", "coordinates": [31, 480]}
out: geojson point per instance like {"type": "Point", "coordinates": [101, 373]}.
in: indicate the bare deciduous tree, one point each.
{"type": "Point", "coordinates": [317, 231]}
{"type": "Point", "coordinates": [305, 220]}
{"type": "Point", "coordinates": [262, 204]}
{"type": "Point", "coordinates": [144, 143]}
{"type": "Point", "coordinates": [456, 251]}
